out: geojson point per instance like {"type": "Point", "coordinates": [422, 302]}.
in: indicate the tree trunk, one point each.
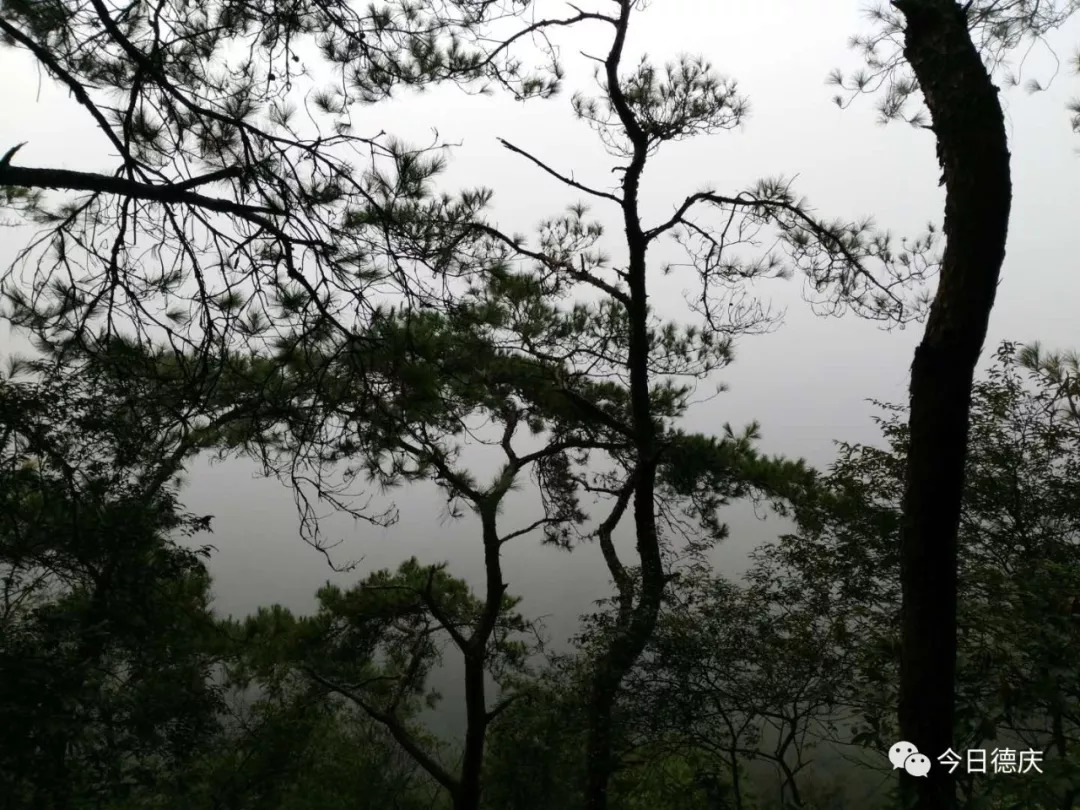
{"type": "Point", "coordinates": [467, 796]}
{"type": "Point", "coordinates": [973, 152]}
{"type": "Point", "coordinates": [630, 637]}
{"type": "Point", "coordinates": [470, 787]}
{"type": "Point", "coordinates": [623, 650]}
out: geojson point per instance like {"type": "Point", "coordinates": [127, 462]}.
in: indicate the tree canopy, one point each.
{"type": "Point", "coordinates": [248, 274]}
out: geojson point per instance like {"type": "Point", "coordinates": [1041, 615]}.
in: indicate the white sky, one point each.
{"type": "Point", "coordinates": [806, 383]}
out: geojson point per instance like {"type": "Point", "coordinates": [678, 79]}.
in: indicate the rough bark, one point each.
{"type": "Point", "coordinates": [973, 152]}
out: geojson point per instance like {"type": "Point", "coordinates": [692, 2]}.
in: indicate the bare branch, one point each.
{"type": "Point", "coordinates": [567, 180]}
{"type": "Point", "coordinates": [105, 184]}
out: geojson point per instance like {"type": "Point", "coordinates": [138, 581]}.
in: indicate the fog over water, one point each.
{"type": "Point", "coordinates": [806, 383]}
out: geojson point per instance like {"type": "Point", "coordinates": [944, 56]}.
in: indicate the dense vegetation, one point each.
{"type": "Point", "coordinates": [311, 301]}
{"type": "Point", "coordinates": [141, 697]}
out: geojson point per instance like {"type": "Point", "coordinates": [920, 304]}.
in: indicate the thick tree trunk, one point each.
{"type": "Point", "coordinates": [467, 796]}
{"type": "Point", "coordinates": [973, 152]}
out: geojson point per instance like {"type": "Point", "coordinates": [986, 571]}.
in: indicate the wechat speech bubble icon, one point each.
{"type": "Point", "coordinates": [900, 752]}
{"type": "Point", "coordinates": [917, 765]}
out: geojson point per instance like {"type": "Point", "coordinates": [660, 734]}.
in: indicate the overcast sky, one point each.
{"type": "Point", "coordinates": [807, 383]}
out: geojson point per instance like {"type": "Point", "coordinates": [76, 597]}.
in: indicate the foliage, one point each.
{"type": "Point", "coordinates": [847, 265]}
{"type": "Point", "coordinates": [735, 676]}
{"type": "Point", "coordinates": [537, 751]}
{"type": "Point", "coordinates": [372, 647]}
{"type": "Point", "coordinates": [314, 303]}
{"type": "Point", "coordinates": [120, 689]}
{"type": "Point", "coordinates": [537, 745]}
{"type": "Point", "coordinates": [300, 751]}
{"type": "Point", "coordinates": [106, 639]}
{"type": "Point", "coordinates": [239, 162]}
{"type": "Point", "coordinates": [1019, 575]}
{"type": "Point", "coordinates": [997, 30]}
{"type": "Point", "coordinates": [377, 642]}
{"type": "Point", "coordinates": [803, 654]}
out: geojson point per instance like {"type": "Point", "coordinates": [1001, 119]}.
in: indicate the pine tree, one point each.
{"type": "Point", "coordinates": [948, 52]}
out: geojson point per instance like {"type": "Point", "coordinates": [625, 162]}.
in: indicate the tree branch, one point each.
{"type": "Point", "coordinates": [567, 267]}
{"type": "Point", "coordinates": [397, 731]}
{"type": "Point", "coordinates": [503, 705]}
{"type": "Point", "coordinates": [45, 57]}
{"type": "Point", "coordinates": [623, 581]}
{"type": "Point", "coordinates": [744, 200]}
{"type": "Point", "coordinates": [568, 180]}
{"type": "Point", "coordinates": [427, 594]}
{"type": "Point", "coordinates": [104, 184]}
